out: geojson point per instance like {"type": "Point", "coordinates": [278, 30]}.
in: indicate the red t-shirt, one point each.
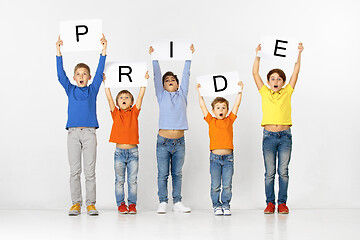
{"type": "Point", "coordinates": [125, 129]}
{"type": "Point", "coordinates": [221, 131]}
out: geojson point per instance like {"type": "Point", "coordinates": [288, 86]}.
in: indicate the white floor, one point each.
{"type": "Point", "coordinates": [200, 224]}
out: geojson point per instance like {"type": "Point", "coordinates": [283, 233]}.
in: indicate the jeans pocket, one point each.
{"type": "Point", "coordinates": [91, 130]}
{"type": "Point", "coordinates": [289, 136]}
{"type": "Point", "coordinates": [182, 142]}
{"type": "Point", "coordinates": [230, 158]}
{"type": "Point", "coordinates": [134, 154]}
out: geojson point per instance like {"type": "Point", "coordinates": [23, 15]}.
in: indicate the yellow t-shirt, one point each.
{"type": "Point", "coordinates": [276, 106]}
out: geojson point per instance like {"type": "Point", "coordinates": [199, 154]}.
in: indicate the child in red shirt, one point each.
{"type": "Point", "coordinates": [221, 149]}
{"type": "Point", "coordinates": [125, 133]}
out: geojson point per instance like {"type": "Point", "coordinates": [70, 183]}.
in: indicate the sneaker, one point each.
{"type": "Point", "coordinates": [179, 207]}
{"type": "Point", "coordinates": [123, 208]}
{"type": "Point", "coordinates": [227, 212]}
{"type": "Point", "coordinates": [270, 208]}
{"type": "Point", "coordinates": [162, 208]}
{"type": "Point", "coordinates": [75, 210]}
{"type": "Point", "coordinates": [283, 209]}
{"type": "Point", "coordinates": [218, 211]}
{"type": "Point", "coordinates": [132, 208]}
{"type": "Point", "coordinates": [91, 210]}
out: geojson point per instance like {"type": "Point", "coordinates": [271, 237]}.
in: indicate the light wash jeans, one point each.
{"type": "Point", "coordinates": [170, 154]}
{"type": "Point", "coordinates": [277, 144]}
{"type": "Point", "coordinates": [221, 171]}
{"type": "Point", "coordinates": [82, 142]}
{"type": "Point", "coordinates": [126, 159]}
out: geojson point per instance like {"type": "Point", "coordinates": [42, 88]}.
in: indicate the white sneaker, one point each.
{"type": "Point", "coordinates": [179, 207]}
{"type": "Point", "coordinates": [227, 212]}
{"type": "Point", "coordinates": [162, 208]}
{"type": "Point", "coordinates": [218, 211]}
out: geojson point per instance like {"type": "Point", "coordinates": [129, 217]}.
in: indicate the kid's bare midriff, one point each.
{"type": "Point", "coordinates": [222, 151]}
{"type": "Point", "coordinates": [169, 133]}
{"type": "Point", "coordinates": [125, 146]}
{"type": "Point", "coordinates": [276, 128]}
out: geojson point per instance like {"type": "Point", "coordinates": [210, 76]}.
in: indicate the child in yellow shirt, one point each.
{"type": "Point", "coordinates": [277, 138]}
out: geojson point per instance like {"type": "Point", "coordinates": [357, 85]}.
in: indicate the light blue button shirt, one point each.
{"type": "Point", "coordinates": [172, 105]}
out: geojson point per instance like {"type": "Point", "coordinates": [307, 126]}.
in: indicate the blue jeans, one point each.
{"type": "Point", "coordinates": [126, 159]}
{"type": "Point", "coordinates": [277, 144]}
{"type": "Point", "coordinates": [170, 154]}
{"type": "Point", "coordinates": [221, 170]}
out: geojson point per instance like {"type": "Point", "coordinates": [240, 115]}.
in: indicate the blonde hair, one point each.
{"type": "Point", "coordinates": [81, 65]}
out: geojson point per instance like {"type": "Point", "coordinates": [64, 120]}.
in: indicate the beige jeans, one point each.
{"type": "Point", "coordinates": [81, 143]}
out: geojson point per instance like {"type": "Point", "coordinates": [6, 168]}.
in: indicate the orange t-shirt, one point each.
{"type": "Point", "coordinates": [221, 131]}
{"type": "Point", "coordinates": [125, 129]}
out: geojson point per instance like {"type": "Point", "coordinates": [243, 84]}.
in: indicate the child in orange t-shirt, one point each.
{"type": "Point", "coordinates": [125, 133]}
{"type": "Point", "coordinates": [221, 149]}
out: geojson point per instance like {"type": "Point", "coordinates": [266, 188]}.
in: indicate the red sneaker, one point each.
{"type": "Point", "coordinates": [123, 208]}
{"type": "Point", "coordinates": [283, 209]}
{"type": "Point", "coordinates": [132, 208]}
{"type": "Point", "coordinates": [270, 208]}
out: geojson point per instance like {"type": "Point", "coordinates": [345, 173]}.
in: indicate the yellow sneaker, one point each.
{"type": "Point", "coordinates": [91, 210]}
{"type": "Point", "coordinates": [75, 210]}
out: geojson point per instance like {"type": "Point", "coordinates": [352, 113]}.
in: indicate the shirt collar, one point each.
{"type": "Point", "coordinates": [279, 92]}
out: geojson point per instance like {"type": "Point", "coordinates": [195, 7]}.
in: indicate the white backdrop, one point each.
{"type": "Point", "coordinates": [324, 165]}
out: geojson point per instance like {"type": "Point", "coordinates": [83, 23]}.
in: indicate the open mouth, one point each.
{"type": "Point", "coordinates": [124, 103]}
{"type": "Point", "coordinates": [275, 86]}
{"type": "Point", "coordinates": [221, 114]}
{"type": "Point", "coordinates": [170, 84]}
{"type": "Point", "coordinates": [81, 82]}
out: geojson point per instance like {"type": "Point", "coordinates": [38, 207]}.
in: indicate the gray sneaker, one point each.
{"type": "Point", "coordinates": [218, 211]}
{"type": "Point", "coordinates": [227, 211]}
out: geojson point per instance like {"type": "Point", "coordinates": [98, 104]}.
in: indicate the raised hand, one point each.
{"type": "Point", "coordinates": [300, 47]}
{"type": "Point", "coordinates": [241, 84]}
{"type": "Point", "coordinates": [151, 50]}
{"type": "Point", "coordinates": [58, 44]}
{"type": "Point", "coordinates": [258, 48]}
{"type": "Point", "coordinates": [103, 42]}
{"type": "Point", "coordinates": [192, 48]}
{"type": "Point", "coordinates": [198, 86]}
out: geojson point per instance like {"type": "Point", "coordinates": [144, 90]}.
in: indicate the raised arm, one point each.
{"type": "Point", "coordinates": [63, 79]}
{"type": "Point", "coordinates": [100, 69]}
{"type": "Point", "coordinates": [296, 71]}
{"type": "Point", "coordinates": [258, 81]}
{"type": "Point", "coordinates": [201, 101]}
{"type": "Point", "coordinates": [184, 85]}
{"type": "Point", "coordinates": [108, 96]}
{"type": "Point", "coordinates": [159, 88]}
{"type": "Point", "coordinates": [238, 99]}
{"type": "Point", "coordinates": [141, 93]}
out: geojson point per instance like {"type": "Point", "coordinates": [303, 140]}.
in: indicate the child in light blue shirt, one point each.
{"type": "Point", "coordinates": [170, 148]}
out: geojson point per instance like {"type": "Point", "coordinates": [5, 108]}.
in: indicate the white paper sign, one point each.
{"type": "Point", "coordinates": [279, 49]}
{"type": "Point", "coordinates": [219, 84]}
{"type": "Point", "coordinates": [125, 74]}
{"type": "Point", "coordinates": [171, 50]}
{"type": "Point", "coordinates": [81, 35]}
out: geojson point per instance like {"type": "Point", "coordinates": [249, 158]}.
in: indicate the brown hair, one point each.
{"type": "Point", "coordinates": [124, 92]}
{"type": "Point", "coordinates": [278, 71]}
{"type": "Point", "coordinates": [169, 74]}
{"type": "Point", "coordinates": [81, 65]}
{"type": "Point", "coordinates": [219, 100]}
